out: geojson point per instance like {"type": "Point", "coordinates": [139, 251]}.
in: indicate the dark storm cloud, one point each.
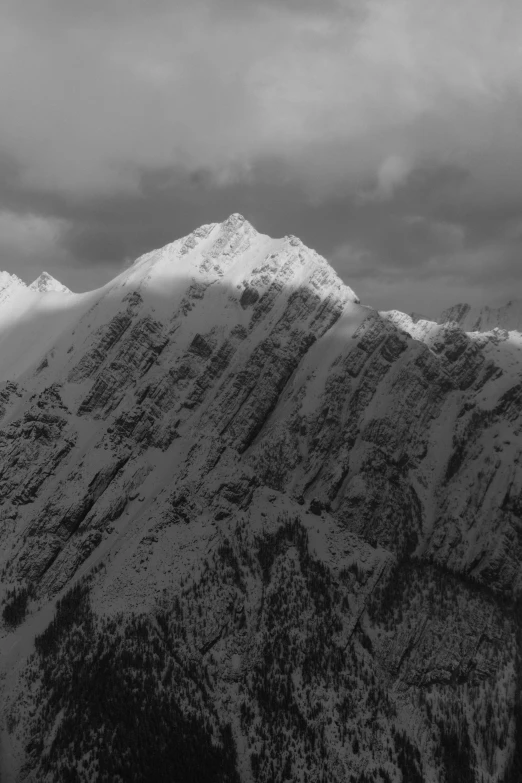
{"type": "Point", "coordinates": [383, 133]}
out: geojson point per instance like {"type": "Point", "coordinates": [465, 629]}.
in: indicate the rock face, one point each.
{"type": "Point", "coordinates": [305, 510]}
{"type": "Point", "coordinates": [477, 319]}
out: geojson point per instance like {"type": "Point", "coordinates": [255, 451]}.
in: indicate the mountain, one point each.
{"type": "Point", "coordinates": [484, 319]}
{"type": "Point", "coordinates": [252, 530]}
{"type": "Point", "coordinates": [9, 284]}
{"type": "Point", "coordinates": [46, 282]}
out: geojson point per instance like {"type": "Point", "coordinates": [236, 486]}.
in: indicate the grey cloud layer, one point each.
{"type": "Point", "coordinates": [386, 126]}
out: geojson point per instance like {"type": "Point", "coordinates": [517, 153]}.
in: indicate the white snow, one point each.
{"type": "Point", "coordinates": [46, 282]}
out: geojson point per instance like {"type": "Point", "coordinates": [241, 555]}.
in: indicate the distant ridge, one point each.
{"type": "Point", "coordinates": [484, 319]}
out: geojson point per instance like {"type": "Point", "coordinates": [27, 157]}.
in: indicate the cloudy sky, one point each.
{"type": "Point", "coordinates": [384, 133]}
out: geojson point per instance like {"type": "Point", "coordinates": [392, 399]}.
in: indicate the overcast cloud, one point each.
{"type": "Point", "coordinates": [385, 133]}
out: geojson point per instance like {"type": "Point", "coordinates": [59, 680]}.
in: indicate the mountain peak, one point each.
{"type": "Point", "coordinates": [7, 280]}
{"type": "Point", "coordinates": [9, 284]}
{"type": "Point", "coordinates": [240, 257]}
{"type": "Point", "coordinates": [46, 282]}
{"type": "Point", "coordinates": [234, 223]}
{"type": "Point", "coordinates": [235, 218]}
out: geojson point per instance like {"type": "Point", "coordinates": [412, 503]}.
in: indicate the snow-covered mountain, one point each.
{"type": "Point", "coordinates": [9, 285]}
{"type": "Point", "coordinates": [283, 527]}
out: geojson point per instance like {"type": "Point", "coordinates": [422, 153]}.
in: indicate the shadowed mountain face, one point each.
{"type": "Point", "coordinates": [293, 523]}
{"type": "Point", "coordinates": [476, 319]}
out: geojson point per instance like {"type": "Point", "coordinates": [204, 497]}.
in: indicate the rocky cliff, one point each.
{"type": "Point", "coordinates": [262, 513]}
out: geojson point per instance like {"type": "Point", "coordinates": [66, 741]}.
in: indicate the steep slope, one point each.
{"type": "Point", "coordinates": [304, 511]}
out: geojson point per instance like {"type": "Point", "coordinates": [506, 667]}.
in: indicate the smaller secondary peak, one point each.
{"type": "Point", "coordinates": [7, 281]}
{"type": "Point", "coordinates": [235, 217]}
{"type": "Point", "coordinates": [236, 222]}
{"type": "Point", "coordinates": [46, 282]}
{"type": "Point", "coordinates": [10, 286]}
